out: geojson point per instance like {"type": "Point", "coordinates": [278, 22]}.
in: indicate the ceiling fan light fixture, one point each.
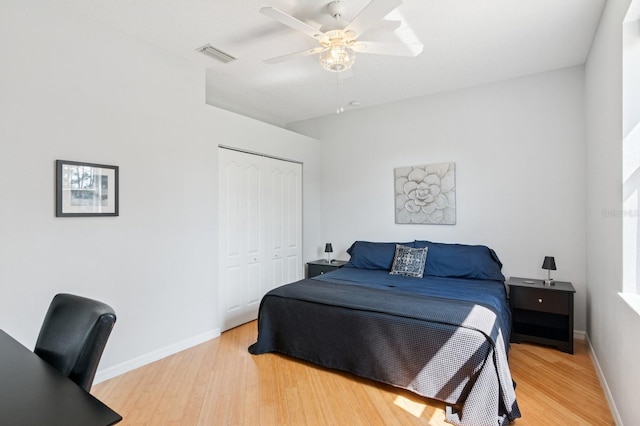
{"type": "Point", "coordinates": [337, 57]}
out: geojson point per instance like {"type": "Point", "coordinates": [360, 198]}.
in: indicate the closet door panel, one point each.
{"type": "Point", "coordinates": [233, 297]}
{"type": "Point", "coordinates": [241, 250]}
{"type": "Point", "coordinates": [292, 225]}
{"type": "Point", "coordinates": [253, 201]}
{"type": "Point", "coordinates": [231, 258]}
{"type": "Point", "coordinates": [275, 219]}
{"type": "Point", "coordinates": [260, 231]}
{"type": "Point", "coordinates": [285, 236]}
{"type": "Point", "coordinates": [253, 232]}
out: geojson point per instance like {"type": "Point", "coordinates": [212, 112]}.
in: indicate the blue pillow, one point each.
{"type": "Point", "coordinates": [461, 261]}
{"type": "Point", "coordinates": [372, 255]}
{"type": "Point", "coordinates": [409, 261]}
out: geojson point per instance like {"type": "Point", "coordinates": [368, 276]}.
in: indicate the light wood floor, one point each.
{"type": "Point", "coordinates": [220, 383]}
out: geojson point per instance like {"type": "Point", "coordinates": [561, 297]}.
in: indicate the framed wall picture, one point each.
{"type": "Point", "coordinates": [86, 189]}
{"type": "Point", "coordinates": [426, 194]}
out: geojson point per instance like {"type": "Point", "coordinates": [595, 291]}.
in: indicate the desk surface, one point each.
{"type": "Point", "coordinates": [32, 392]}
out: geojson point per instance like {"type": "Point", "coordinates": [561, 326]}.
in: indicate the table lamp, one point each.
{"type": "Point", "coordinates": [549, 264]}
{"type": "Point", "coordinates": [328, 248]}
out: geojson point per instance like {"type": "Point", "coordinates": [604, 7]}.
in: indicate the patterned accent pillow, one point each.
{"type": "Point", "coordinates": [409, 261]}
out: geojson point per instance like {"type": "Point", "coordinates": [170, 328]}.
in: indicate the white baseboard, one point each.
{"type": "Point", "coordinates": [579, 334]}
{"type": "Point", "coordinates": [116, 370]}
{"type": "Point", "coordinates": [603, 383]}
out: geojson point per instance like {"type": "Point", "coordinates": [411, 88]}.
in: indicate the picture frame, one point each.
{"type": "Point", "coordinates": [86, 189]}
{"type": "Point", "coordinates": [425, 194]}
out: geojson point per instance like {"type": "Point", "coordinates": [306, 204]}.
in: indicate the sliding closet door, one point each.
{"type": "Point", "coordinates": [260, 205]}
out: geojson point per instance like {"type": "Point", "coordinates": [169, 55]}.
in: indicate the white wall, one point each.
{"type": "Point", "coordinates": [72, 89]}
{"type": "Point", "coordinates": [519, 149]}
{"type": "Point", "coordinates": [613, 327]}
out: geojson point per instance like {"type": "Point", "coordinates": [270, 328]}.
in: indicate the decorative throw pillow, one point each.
{"type": "Point", "coordinates": [409, 261]}
{"type": "Point", "coordinates": [461, 261]}
{"type": "Point", "coordinates": [373, 255]}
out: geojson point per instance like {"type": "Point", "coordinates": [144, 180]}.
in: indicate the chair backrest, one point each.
{"type": "Point", "coordinates": [73, 336]}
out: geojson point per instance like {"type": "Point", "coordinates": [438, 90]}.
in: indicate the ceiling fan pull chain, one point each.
{"type": "Point", "coordinates": [339, 95]}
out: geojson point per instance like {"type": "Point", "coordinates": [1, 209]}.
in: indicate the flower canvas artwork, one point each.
{"type": "Point", "coordinates": [426, 194]}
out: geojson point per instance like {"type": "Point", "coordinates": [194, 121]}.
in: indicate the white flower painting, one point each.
{"type": "Point", "coordinates": [426, 194]}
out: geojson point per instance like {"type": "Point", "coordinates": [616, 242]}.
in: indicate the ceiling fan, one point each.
{"type": "Point", "coordinates": [338, 45]}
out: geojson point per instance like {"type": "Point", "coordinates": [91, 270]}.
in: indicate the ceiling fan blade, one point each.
{"type": "Point", "coordinates": [295, 55]}
{"type": "Point", "coordinates": [395, 49]}
{"type": "Point", "coordinates": [371, 14]}
{"type": "Point", "coordinates": [292, 22]}
{"type": "Point", "coordinates": [386, 25]}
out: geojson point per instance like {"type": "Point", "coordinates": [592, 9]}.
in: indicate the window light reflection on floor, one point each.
{"type": "Point", "coordinates": [417, 409]}
{"type": "Point", "coordinates": [412, 407]}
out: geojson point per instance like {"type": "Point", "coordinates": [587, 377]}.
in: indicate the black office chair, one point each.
{"type": "Point", "coordinates": [73, 336]}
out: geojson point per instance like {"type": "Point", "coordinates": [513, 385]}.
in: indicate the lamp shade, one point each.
{"type": "Point", "coordinates": [549, 263]}
{"type": "Point", "coordinates": [328, 248]}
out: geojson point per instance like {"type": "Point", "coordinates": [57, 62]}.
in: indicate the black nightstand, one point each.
{"type": "Point", "coordinates": [319, 267]}
{"type": "Point", "coordinates": [542, 313]}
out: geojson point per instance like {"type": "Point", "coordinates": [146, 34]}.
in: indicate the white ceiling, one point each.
{"type": "Point", "coordinates": [466, 43]}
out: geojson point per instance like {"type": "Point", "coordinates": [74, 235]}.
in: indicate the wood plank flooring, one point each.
{"type": "Point", "coordinates": [220, 383]}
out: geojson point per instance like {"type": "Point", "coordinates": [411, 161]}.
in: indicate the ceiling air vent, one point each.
{"type": "Point", "coordinates": [218, 54]}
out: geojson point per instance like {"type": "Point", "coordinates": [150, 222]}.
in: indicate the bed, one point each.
{"type": "Point", "coordinates": [428, 317]}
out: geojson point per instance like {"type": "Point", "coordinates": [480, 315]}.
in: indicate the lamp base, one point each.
{"type": "Point", "coordinates": [549, 282]}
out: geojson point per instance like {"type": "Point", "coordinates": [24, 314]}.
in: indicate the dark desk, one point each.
{"type": "Point", "coordinates": [34, 393]}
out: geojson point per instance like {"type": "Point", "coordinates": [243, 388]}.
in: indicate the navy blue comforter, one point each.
{"type": "Point", "coordinates": [491, 294]}
{"type": "Point", "coordinates": [442, 338]}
